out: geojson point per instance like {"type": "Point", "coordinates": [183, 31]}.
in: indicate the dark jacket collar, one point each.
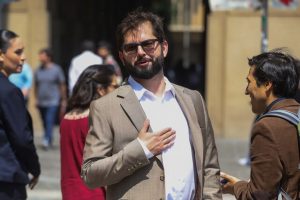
{"type": "Point", "coordinates": [272, 104]}
{"type": "Point", "coordinates": [286, 104]}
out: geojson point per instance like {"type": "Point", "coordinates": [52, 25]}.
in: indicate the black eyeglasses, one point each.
{"type": "Point", "coordinates": [148, 46]}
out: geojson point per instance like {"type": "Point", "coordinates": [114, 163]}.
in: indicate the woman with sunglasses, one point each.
{"type": "Point", "coordinates": [94, 82]}
{"type": "Point", "coordinates": [18, 156]}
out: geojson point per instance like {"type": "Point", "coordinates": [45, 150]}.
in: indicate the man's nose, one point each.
{"type": "Point", "coordinates": [140, 50]}
{"type": "Point", "coordinates": [246, 91]}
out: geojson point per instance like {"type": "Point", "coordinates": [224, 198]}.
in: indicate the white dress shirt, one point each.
{"type": "Point", "coordinates": [178, 164]}
{"type": "Point", "coordinates": [79, 64]}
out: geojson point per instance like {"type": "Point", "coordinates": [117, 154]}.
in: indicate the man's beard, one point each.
{"type": "Point", "coordinates": [147, 73]}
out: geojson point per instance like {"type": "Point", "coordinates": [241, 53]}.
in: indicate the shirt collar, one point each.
{"type": "Point", "coordinates": [139, 90]}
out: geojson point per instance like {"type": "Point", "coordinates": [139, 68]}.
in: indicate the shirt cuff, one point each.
{"type": "Point", "coordinates": [146, 150]}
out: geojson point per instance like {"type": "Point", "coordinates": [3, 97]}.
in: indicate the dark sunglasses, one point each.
{"type": "Point", "coordinates": [148, 46]}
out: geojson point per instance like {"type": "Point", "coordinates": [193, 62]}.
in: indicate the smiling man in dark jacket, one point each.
{"type": "Point", "coordinates": [272, 84]}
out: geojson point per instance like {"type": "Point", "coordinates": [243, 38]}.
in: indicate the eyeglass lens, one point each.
{"type": "Point", "coordinates": [147, 45]}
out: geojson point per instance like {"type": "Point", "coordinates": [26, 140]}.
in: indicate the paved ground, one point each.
{"type": "Point", "coordinates": [48, 187]}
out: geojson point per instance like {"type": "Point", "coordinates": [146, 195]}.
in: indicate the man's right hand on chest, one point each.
{"type": "Point", "coordinates": [158, 141]}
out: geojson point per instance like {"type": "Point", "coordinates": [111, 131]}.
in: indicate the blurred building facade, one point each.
{"type": "Point", "coordinates": [234, 36]}
{"type": "Point", "coordinates": [208, 50]}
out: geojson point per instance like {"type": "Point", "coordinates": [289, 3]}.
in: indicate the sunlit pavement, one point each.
{"type": "Point", "coordinates": [48, 188]}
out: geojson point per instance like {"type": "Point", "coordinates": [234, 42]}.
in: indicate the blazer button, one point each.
{"type": "Point", "coordinates": [162, 178]}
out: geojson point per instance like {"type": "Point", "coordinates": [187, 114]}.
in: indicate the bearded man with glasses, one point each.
{"type": "Point", "coordinates": [150, 139]}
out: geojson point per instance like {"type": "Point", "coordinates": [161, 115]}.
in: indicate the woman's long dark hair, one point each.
{"type": "Point", "coordinates": [5, 37]}
{"type": "Point", "coordinates": [85, 89]}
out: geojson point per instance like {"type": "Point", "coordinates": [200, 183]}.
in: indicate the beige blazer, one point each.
{"type": "Point", "coordinates": [114, 158]}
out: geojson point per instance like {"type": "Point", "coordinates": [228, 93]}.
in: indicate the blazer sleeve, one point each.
{"type": "Point", "coordinates": [102, 167]}
{"type": "Point", "coordinates": [18, 126]}
{"type": "Point", "coordinates": [266, 167]}
{"type": "Point", "coordinates": [211, 184]}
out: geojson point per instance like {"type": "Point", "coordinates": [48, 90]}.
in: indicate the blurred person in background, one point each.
{"type": "Point", "coordinates": [274, 152]}
{"type": "Point", "coordinates": [18, 156]}
{"type": "Point", "coordinates": [105, 52]}
{"type": "Point", "coordinates": [50, 93]}
{"type": "Point", "coordinates": [93, 83]}
{"type": "Point", "coordinates": [80, 62]}
{"type": "Point", "coordinates": [23, 80]}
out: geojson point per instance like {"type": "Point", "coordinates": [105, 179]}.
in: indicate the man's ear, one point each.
{"type": "Point", "coordinates": [268, 85]}
{"type": "Point", "coordinates": [165, 47]}
{"type": "Point", "coordinates": [121, 56]}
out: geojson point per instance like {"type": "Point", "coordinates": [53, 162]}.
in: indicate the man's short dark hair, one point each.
{"type": "Point", "coordinates": [280, 69]}
{"type": "Point", "coordinates": [104, 44]}
{"type": "Point", "coordinates": [134, 19]}
{"type": "Point", "coordinates": [48, 52]}
{"type": "Point", "coordinates": [87, 45]}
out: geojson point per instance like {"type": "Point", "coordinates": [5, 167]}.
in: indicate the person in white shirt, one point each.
{"type": "Point", "coordinates": [104, 50]}
{"type": "Point", "coordinates": [80, 62]}
{"type": "Point", "coordinates": [150, 139]}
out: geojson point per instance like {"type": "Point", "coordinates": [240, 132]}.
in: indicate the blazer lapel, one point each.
{"type": "Point", "coordinates": [133, 110]}
{"type": "Point", "coordinates": [187, 105]}
{"type": "Point", "coordinates": [132, 107]}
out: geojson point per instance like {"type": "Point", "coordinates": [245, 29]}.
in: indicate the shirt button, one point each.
{"type": "Point", "coordinates": [162, 178]}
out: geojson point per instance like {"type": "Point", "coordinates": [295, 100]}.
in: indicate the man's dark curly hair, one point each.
{"type": "Point", "coordinates": [134, 19]}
